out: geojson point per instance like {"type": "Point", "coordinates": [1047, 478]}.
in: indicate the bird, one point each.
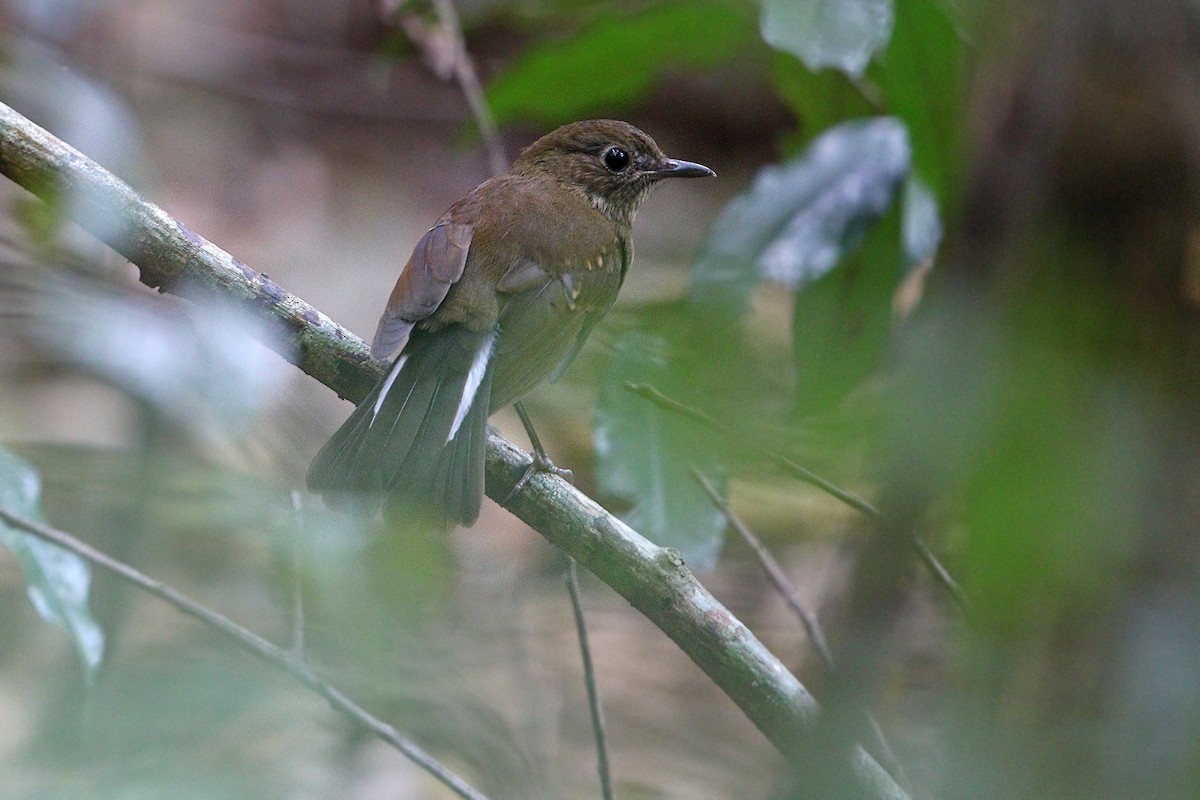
{"type": "Point", "coordinates": [499, 294]}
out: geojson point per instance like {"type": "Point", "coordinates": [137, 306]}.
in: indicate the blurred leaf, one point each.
{"type": "Point", "coordinates": [819, 99]}
{"type": "Point", "coordinates": [921, 75]}
{"type": "Point", "coordinates": [842, 322]}
{"type": "Point", "coordinates": [801, 218]}
{"type": "Point", "coordinates": [842, 34]}
{"type": "Point", "coordinates": [615, 60]}
{"type": "Point", "coordinates": [645, 454]}
{"type": "Point", "coordinates": [93, 118]}
{"type": "Point", "coordinates": [1052, 501]}
{"type": "Point", "coordinates": [194, 369]}
{"type": "Point", "coordinates": [57, 581]}
{"type": "Point", "coordinates": [922, 225]}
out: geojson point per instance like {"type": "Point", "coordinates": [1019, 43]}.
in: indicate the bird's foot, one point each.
{"type": "Point", "coordinates": [540, 462]}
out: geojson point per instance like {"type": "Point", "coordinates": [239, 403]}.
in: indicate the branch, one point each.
{"type": "Point", "coordinates": [653, 579]}
{"type": "Point", "coordinates": [288, 661]}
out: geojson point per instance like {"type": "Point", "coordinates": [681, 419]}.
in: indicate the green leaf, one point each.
{"type": "Point", "coordinates": [843, 34]}
{"type": "Point", "coordinates": [57, 580]}
{"type": "Point", "coordinates": [615, 61]}
{"type": "Point", "coordinates": [842, 323]}
{"type": "Point", "coordinates": [645, 454]}
{"type": "Point", "coordinates": [922, 76]}
{"type": "Point", "coordinates": [818, 99]}
{"type": "Point", "coordinates": [800, 219]}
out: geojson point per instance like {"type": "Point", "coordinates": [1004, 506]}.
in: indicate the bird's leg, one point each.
{"type": "Point", "coordinates": [541, 462]}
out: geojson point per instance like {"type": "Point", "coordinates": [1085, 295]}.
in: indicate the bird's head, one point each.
{"type": "Point", "coordinates": [613, 163]}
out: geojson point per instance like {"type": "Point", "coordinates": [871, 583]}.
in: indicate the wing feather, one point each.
{"type": "Point", "coordinates": [436, 264]}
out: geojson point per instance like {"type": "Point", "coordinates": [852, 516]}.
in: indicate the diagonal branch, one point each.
{"type": "Point", "coordinates": [653, 579]}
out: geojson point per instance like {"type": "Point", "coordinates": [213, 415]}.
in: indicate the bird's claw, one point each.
{"type": "Point", "coordinates": [540, 462]}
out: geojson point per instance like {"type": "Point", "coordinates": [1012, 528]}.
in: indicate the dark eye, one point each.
{"type": "Point", "coordinates": [616, 159]}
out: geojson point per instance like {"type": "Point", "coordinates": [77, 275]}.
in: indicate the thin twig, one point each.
{"type": "Point", "coordinates": [297, 644]}
{"type": "Point", "coordinates": [659, 399]}
{"type": "Point", "coordinates": [468, 80]}
{"type": "Point", "coordinates": [589, 679]}
{"type": "Point", "coordinates": [936, 568]}
{"type": "Point", "coordinates": [812, 626]}
{"type": "Point", "coordinates": [252, 643]}
{"type": "Point", "coordinates": [472, 89]}
{"type": "Point", "coordinates": [774, 571]}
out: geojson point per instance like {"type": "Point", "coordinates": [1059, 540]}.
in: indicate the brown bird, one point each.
{"type": "Point", "coordinates": [502, 291]}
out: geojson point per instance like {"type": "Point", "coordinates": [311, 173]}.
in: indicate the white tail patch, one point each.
{"type": "Point", "coordinates": [474, 378]}
{"type": "Point", "coordinates": [387, 385]}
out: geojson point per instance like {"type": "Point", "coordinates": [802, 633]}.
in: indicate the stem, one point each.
{"type": "Point", "coordinates": [940, 574]}
{"type": "Point", "coordinates": [472, 89]}
{"type": "Point", "coordinates": [774, 571]}
{"type": "Point", "coordinates": [589, 679]}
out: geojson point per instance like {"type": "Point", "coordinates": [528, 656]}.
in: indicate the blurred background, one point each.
{"type": "Point", "coordinates": [950, 264]}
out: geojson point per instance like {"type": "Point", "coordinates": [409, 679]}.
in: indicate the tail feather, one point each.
{"type": "Point", "coordinates": [455, 483]}
{"type": "Point", "coordinates": [417, 441]}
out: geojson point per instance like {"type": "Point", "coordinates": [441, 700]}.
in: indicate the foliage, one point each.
{"type": "Point", "coordinates": [57, 581]}
{"type": "Point", "coordinates": [646, 456]}
{"type": "Point", "coordinates": [616, 59]}
{"type": "Point", "coordinates": [843, 34]}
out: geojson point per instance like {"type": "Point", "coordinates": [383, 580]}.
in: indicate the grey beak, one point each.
{"type": "Point", "coordinates": [683, 169]}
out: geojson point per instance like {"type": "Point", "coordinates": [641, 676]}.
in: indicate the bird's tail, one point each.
{"type": "Point", "coordinates": [417, 441]}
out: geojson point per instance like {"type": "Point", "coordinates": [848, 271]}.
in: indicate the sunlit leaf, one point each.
{"type": "Point", "coordinates": [57, 580]}
{"type": "Point", "coordinates": [616, 60]}
{"type": "Point", "coordinates": [645, 455]}
{"type": "Point", "coordinates": [842, 34]}
{"type": "Point", "coordinates": [800, 219]}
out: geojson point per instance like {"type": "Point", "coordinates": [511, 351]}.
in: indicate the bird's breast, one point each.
{"type": "Point", "coordinates": [540, 327]}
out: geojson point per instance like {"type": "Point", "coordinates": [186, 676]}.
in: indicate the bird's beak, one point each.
{"type": "Point", "coordinates": [682, 169]}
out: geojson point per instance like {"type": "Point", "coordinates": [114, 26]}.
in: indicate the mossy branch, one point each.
{"type": "Point", "coordinates": [654, 580]}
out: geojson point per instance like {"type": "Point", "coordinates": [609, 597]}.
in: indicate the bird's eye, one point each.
{"type": "Point", "coordinates": [616, 159]}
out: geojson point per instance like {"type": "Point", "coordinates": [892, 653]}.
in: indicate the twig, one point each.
{"type": "Point", "coordinates": [653, 579]}
{"type": "Point", "coordinates": [297, 643]}
{"type": "Point", "coordinates": [775, 573]}
{"type": "Point", "coordinates": [472, 89]}
{"type": "Point", "coordinates": [589, 679]}
{"type": "Point", "coordinates": [252, 643]}
{"type": "Point", "coordinates": [445, 53]}
{"type": "Point", "coordinates": [659, 399]}
{"type": "Point", "coordinates": [936, 568]}
{"type": "Point", "coordinates": [812, 626]}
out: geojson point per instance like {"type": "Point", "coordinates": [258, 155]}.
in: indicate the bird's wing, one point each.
{"type": "Point", "coordinates": [436, 264]}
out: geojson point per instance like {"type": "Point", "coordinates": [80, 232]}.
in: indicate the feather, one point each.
{"type": "Point", "coordinates": [418, 436]}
